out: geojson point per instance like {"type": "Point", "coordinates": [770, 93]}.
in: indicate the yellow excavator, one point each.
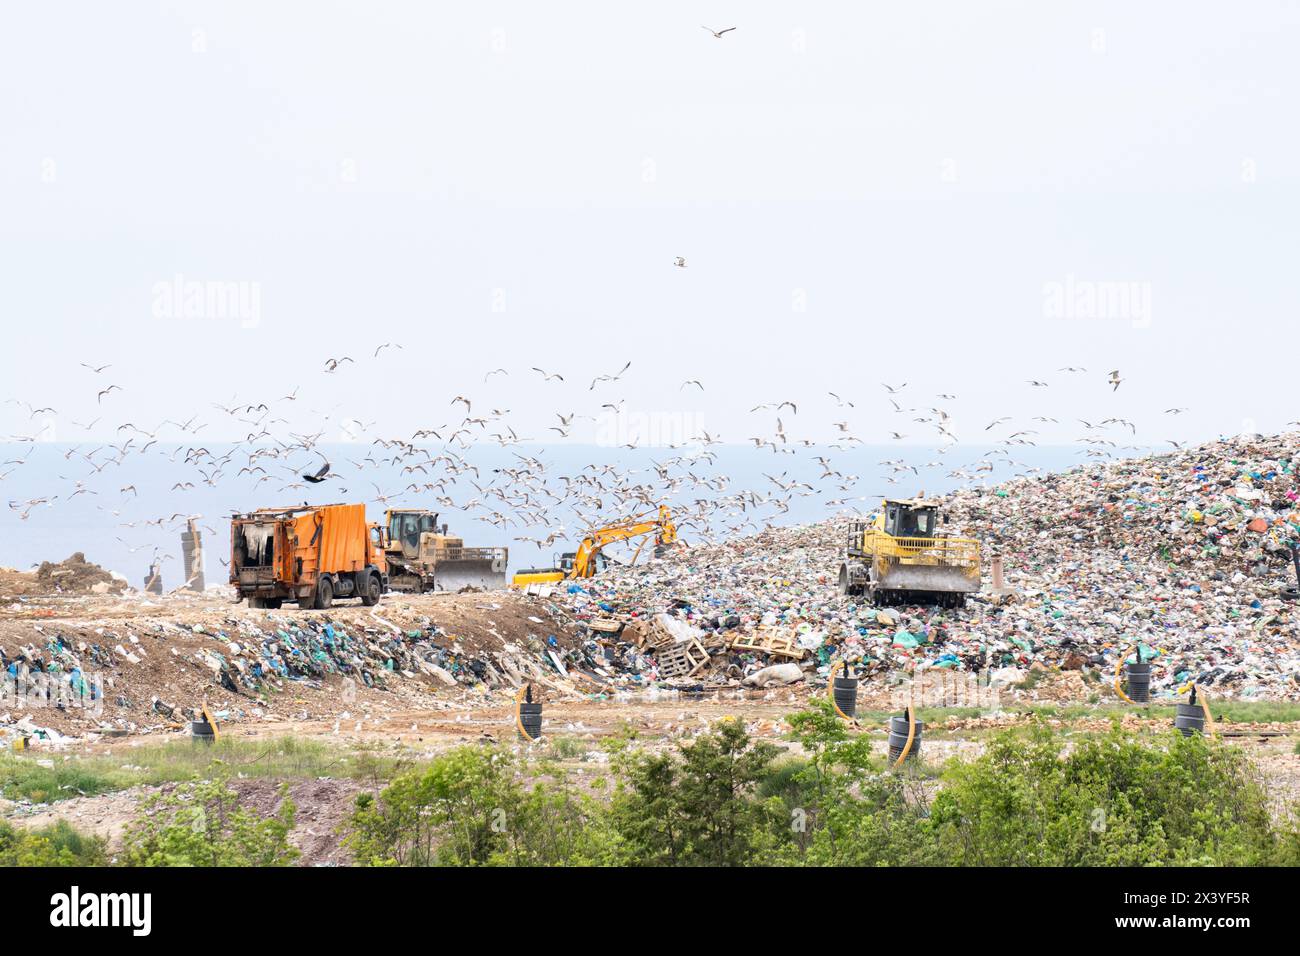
{"type": "Point", "coordinates": [900, 557]}
{"type": "Point", "coordinates": [590, 557]}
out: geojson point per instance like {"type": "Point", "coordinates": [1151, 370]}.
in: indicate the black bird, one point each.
{"type": "Point", "coordinates": [320, 475]}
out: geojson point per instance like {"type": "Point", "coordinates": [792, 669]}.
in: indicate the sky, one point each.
{"type": "Point", "coordinates": [963, 197]}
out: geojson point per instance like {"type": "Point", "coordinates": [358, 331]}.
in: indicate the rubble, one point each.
{"type": "Point", "coordinates": [1186, 555]}
{"type": "Point", "coordinates": [76, 575]}
{"type": "Point", "coordinates": [143, 674]}
{"type": "Point", "coordinates": [72, 576]}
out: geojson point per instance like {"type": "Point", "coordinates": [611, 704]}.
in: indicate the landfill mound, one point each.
{"type": "Point", "coordinates": [150, 673]}
{"type": "Point", "coordinates": [1185, 555]}
{"type": "Point", "coordinates": [76, 575]}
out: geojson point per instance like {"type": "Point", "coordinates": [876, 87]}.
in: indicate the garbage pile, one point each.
{"type": "Point", "coordinates": [76, 575]}
{"type": "Point", "coordinates": [1186, 555]}
{"type": "Point", "coordinates": [249, 656]}
{"type": "Point", "coordinates": [138, 674]}
{"type": "Point", "coordinates": [72, 576]}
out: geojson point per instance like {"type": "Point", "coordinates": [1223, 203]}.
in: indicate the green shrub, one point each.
{"type": "Point", "coordinates": [698, 805]}
{"type": "Point", "coordinates": [202, 824]}
{"type": "Point", "coordinates": [469, 808]}
{"type": "Point", "coordinates": [59, 844]}
{"type": "Point", "coordinates": [1110, 800]}
{"type": "Point", "coordinates": [856, 812]}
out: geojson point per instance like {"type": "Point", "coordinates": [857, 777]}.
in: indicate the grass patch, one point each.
{"type": "Point", "coordinates": [1233, 711]}
{"type": "Point", "coordinates": [24, 777]}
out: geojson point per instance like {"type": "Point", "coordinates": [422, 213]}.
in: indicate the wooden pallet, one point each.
{"type": "Point", "coordinates": [605, 625]}
{"type": "Point", "coordinates": [769, 642]}
{"type": "Point", "coordinates": [643, 635]}
{"type": "Point", "coordinates": [681, 660]}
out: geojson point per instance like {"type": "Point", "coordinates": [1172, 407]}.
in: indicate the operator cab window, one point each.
{"type": "Point", "coordinates": [917, 523]}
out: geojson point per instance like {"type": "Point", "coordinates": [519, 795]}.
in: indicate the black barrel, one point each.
{"type": "Point", "coordinates": [1190, 719]}
{"type": "Point", "coordinates": [1137, 679]}
{"type": "Point", "coordinates": [201, 732]}
{"type": "Point", "coordinates": [530, 718]}
{"type": "Point", "coordinates": [898, 727]}
{"type": "Point", "coordinates": [846, 695]}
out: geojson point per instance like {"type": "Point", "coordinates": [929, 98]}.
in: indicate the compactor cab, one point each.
{"type": "Point", "coordinates": [909, 519]}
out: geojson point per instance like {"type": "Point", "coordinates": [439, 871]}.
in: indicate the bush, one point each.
{"type": "Point", "coordinates": [856, 813]}
{"type": "Point", "coordinates": [698, 806]}
{"type": "Point", "coordinates": [202, 824]}
{"type": "Point", "coordinates": [1110, 800]}
{"type": "Point", "coordinates": [57, 845]}
{"type": "Point", "coordinates": [469, 808]}
{"type": "Point", "coordinates": [1034, 798]}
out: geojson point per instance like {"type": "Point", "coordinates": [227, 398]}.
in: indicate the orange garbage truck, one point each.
{"type": "Point", "coordinates": [310, 554]}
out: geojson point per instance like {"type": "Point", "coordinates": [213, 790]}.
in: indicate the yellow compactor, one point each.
{"type": "Point", "coordinates": [901, 557]}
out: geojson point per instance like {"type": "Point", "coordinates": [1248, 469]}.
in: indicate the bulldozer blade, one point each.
{"type": "Point", "coordinates": [454, 575]}
{"type": "Point", "coordinates": [928, 578]}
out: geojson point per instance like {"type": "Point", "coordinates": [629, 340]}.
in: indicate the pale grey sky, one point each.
{"type": "Point", "coordinates": [864, 193]}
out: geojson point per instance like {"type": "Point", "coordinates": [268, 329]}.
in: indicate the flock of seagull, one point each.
{"type": "Point", "coordinates": [530, 498]}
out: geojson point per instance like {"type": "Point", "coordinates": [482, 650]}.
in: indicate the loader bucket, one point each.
{"type": "Point", "coordinates": [483, 568]}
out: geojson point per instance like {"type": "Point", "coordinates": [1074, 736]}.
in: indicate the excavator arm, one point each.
{"type": "Point", "coordinates": [584, 560]}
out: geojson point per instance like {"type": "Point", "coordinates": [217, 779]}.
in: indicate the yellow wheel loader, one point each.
{"type": "Point", "coordinates": [900, 557]}
{"type": "Point", "coordinates": [423, 557]}
{"type": "Point", "coordinates": [590, 557]}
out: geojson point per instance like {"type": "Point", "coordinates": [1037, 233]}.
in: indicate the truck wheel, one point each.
{"type": "Point", "coordinates": [370, 590]}
{"type": "Point", "coordinates": [324, 594]}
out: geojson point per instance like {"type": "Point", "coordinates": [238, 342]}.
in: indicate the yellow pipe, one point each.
{"type": "Point", "coordinates": [911, 734]}
{"type": "Point", "coordinates": [519, 706]}
{"type": "Point", "coordinates": [831, 688]}
{"type": "Point", "coordinates": [1119, 666]}
{"type": "Point", "coordinates": [216, 735]}
{"type": "Point", "coordinates": [1205, 708]}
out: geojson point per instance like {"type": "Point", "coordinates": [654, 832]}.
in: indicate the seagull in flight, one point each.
{"type": "Point", "coordinates": [717, 34]}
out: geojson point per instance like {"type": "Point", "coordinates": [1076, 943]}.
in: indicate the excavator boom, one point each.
{"type": "Point", "coordinates": [589, 557]}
